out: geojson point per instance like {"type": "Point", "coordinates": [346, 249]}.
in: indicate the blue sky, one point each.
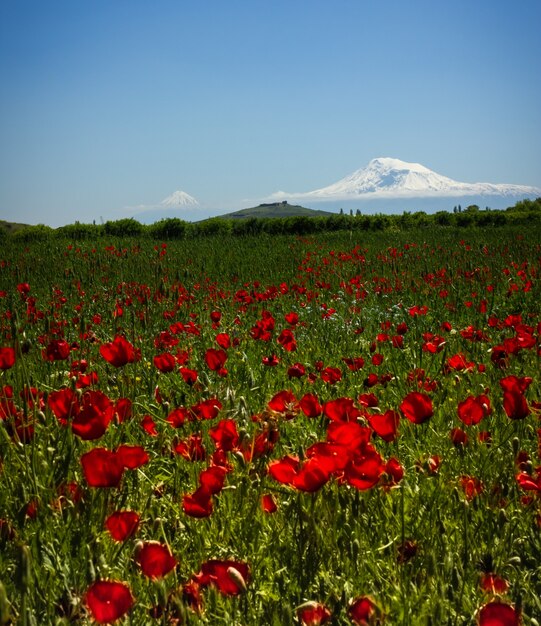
{"type": "Point", "coordinates": [110, 105]}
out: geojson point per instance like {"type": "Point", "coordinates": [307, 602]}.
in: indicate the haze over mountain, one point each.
{"type": "Point", "coordinates": [388, 178]}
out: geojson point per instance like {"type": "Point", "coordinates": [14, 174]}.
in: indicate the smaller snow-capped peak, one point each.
{"type": "Point", "coordinates": [179, 199]}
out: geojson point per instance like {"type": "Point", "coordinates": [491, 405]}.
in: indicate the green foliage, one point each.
{"type": "Point", "coordinates": [252, 223]}
{"type": "Point", "coordinates": [33, 233]}
{"type": "Point", "coordinates": [212, 226]}
{"type": "Point", "coordinates": [123, 228]}
{"type": "Point", "coordinates": [170, 228]}
{"type": "Point", "coordinates": [79, 232]}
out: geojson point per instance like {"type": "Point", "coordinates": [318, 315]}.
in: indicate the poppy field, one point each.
{"type": "Point", "coordinates": [338, 429]}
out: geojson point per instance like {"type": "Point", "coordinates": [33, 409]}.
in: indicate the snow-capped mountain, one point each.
{"type": "Point", "coordinates": [179, 200]}
{"type": "Point", "coordinates": [392, 178]}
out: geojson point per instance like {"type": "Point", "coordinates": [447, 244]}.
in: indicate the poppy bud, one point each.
{"type": "Point", "coordinates": [240, 457]}
{"type": "Point", "coordinates": [455, 578]}
{"type": "Point", "coordinates": [236, 577]}
{"type": "Point", "coordinates": [515, 444]}
{"type": "Point", "coordinates": [137, 548]}
{"type": "Point", "coordinates": [23, 569]}
{"type": "Point", "coordinates": [355, 548]}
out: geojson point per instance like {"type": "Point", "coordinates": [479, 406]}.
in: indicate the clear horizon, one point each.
{"type": "Point", "coordinates": [110, 107]}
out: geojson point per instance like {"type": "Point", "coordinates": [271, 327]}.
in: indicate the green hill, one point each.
{"type": "Point", "coordinates": [11, 227]}
{"type": "Point", "coordinates": [276, 209]}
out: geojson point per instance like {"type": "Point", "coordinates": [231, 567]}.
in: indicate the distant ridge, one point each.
{"type": "Point", "coordinates": [276, 209]}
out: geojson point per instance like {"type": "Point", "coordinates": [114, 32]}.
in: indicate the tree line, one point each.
{"type": "Point", "coordinates": [523, 213]}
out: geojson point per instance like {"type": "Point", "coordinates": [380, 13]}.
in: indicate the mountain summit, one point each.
{"type": "Point", "coordinates": [179, 200]}
{"type": "Point", "coordinates": [392, 178]}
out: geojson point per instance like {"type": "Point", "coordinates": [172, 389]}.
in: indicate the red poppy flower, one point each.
{"type": "Point", "coordinates": [191, 596]}
{"type": "Point", "coordinates": [515, 405]}
{"type": "Point", "coordinates": [354, 364]}
{"type": "Point", "coordinates": [473, 409]}
{"type": "Point", "coordinates": [212, 479]}
{"type": "Point", "coordinates": [230, 577]}
{"type": "Point", "coordinates": [225, 435]}
{"type": "Point", "coordinates": [149, 426]}
{"type": "Point", "coordinates": [459, 437]}
{"type": "Point", "coordinates": [191, 449]}
{"type": "Point", "coordinates": [312, 475]}
{"type": "Point", "coordinates": [284, 470]}
{"type": "Point", "coordinates": [528, 483]}
{"type": "Point", "coordinates": [189, 375]}
{"type": "Point", "coordinates": [498, 614]}
{"type": "Point", "coordinates": [23, 288]}
{"type": "Point", "coordinates": [198, 504]}
{"type": "Point", "coordinates": [352, 435]}
{"type": "Point", "coordinates": [270, 361]}
{"type": "Point", "coordinates": [459, 362]}
{"type": "Point", "coordinates": [155, 559]}
{"type": "Point", "coordinates": [417, 407]}
{"type": "Point", "coordinates": [368, 399]}
{"type": "Point", "coordinates": [64, 404]}
{"type": "Point", "coordinates": [385, 425]}
{"type": "Point", "coordinates": [215, 359]}
{"type": "Point", "coordinates": [122, 524]}
{"type": "Point", "coordinates": [292, 318]}
{"type": "Point", "coordinates": [223, 340]}
{"type": "Point", "coordinates": [283, 402]}
{"type": "Point", "coordinates": [516, 384]}
{"type": "Point", "coordinates": [165, 362]}
{"type": "Point", "coordinates": [123, 409]}
{"type": "Point", "coordinates": [364, 472]}
{"type": "Point", "coordinates": [287, 340]}
{"type": "Point", "coordinates": [313, 614]}
{"type": "Point", "coordinates": [7, 358]}
{"type": "Point", "coordinates": [207, 409]}
{"type": "Point", "coordinates": [56, 350]}
{"type": "Point", "coordinates": [492, 583]}
{"type": "Point", "coordinates": [119, 352]}
{"type": "Point", "coordinates": [361, 610]}
{"type": "Point", "coordinates": [310, 406]}
{"type": "Point", "coordinates": [341, 410]}
{"type": "Point", "coordinates": [132, 457]}
{"type": "Point", "coordinates": [178, 416]}
{"type": "Point", "coordinates": [297, 370]}
{"type": "Point", "coordinates": [406, 551]}
{"type": "Point", "coordinates": [268, 503]}
{"type": "Point", "coordinates": [331, 375]}
{"type": "Point", "coordinates": [108, 600]}
{"type": "Point", "coordinates": [402, 328]}
{"type": "Point", "coordinates": [472, 486]}
{"type": "Point", "coordinates": [94, 417]}
{"type": "Point", "coordinates": [371, 380]}
{"type": "Point", "coordinates": [102, 468]}
{"type": "Point", "coordinates": [331, 457]}
{"type": "Point", "coordinates": [394, 470]}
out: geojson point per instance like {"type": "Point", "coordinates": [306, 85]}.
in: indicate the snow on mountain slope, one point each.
{"type": "Point", "coordinates": [179, 199]}
{"type": "Point", "coordinates": [387, 178]}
